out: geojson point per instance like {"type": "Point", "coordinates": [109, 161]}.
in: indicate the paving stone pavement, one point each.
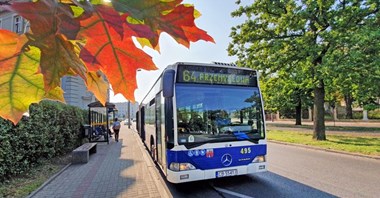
{"type": "Point", "coordinates": [118, 169]}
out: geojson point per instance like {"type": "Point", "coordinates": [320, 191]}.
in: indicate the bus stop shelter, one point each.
{"type": "Point", "coordinates": [100, 118]}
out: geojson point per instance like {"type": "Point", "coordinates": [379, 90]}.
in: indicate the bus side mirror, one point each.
{"type": "Point", "coordinates": [168, 83]}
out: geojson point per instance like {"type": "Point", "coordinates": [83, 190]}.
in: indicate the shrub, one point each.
{"type": "Point", "coordinates": [375, 114]}
{"type": "Point", "coordinates": [357, 115]}
{"type": "Point", "coordinates": [52, 129]}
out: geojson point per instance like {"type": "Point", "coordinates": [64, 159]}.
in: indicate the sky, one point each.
{"type": "Point", "coordinates": [216, 20]}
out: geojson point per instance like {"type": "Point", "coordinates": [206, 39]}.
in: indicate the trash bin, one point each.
{"type": "Point", "coordinates": [86, 130]}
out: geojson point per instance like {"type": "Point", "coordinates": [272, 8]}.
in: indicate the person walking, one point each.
{"type": "Point", "coordinates": [116, 128]}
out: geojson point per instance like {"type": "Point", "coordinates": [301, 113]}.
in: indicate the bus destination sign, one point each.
{"type": "Point", "coordinates": [216, 75]}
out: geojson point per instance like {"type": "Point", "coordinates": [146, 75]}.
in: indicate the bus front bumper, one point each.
{"type": "Point", "coordinates": [195, 175]}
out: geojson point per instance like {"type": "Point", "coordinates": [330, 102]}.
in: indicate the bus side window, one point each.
{"type": "Point", "coordinates": [168, 83]}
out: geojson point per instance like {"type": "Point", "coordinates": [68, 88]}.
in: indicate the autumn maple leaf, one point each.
{"type": "Point", "coordinates": [97, 85]}
{"type": "Point", "coordinates": [164, 16]}
{"type": "Point", "coordinates": [20, 84]}
{"type": "Point", "coordinates": [180, 25]}
{"type": "Point", "coordinates": [51, 24]}
{"type": "Point", "coordinates": [112, 53]}
{"type": "Point", "coordinates": [47, 17]}
{"type": "Point", "coordinates": [10, 44]}
{"type": "Point", "coordinates": [88, 39]}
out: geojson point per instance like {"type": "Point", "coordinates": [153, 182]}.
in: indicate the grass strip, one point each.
{"type": "Point", "coordinates": [24, 184]}
{"type": "Point", "coordinates": [330, 128]}
{"type": "Point", "coordinates": [366, 145]}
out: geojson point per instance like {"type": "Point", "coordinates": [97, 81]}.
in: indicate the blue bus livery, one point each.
{"type": "Point", "coordinates": [204, 121]}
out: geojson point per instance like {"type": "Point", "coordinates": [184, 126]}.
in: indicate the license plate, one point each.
{"type": "Point", "coordinates": [226, 173]}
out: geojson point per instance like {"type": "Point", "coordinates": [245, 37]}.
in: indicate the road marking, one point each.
{"type": "Point", "coordinates": [231, 193]}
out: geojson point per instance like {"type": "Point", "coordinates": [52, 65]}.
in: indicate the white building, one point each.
{"type": "Point", "coordinates": [13, 22]}
{"type": "Point", "coordinates": [122, 110]}
{"type": "Point", "coordinates": [75, 92]}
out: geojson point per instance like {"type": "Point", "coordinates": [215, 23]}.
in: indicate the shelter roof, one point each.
{"type": "Point", "coordinates": [98, 104]}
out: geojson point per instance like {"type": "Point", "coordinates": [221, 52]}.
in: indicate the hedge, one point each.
{"type": "Point", "coordinates": [52, 129]}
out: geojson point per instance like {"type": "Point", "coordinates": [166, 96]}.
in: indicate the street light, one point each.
{"type": "Point", "coordinates": [129, 114]}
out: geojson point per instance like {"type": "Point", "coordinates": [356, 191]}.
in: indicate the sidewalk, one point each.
{"type": "Point", "coordinates": [118, 169]}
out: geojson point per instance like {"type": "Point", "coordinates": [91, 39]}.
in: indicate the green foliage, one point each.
{"type": "Point", "coordinates": [6, 151]}
{"type": "Point", "coordinates": [355, 66]}
{"type": "Point", "coordinates": [357, 115]}
{"type": "Point", "coordinates": [375, 114]}
{"type": "Point", "coordinates": [372, 114]}
{"type": "Point", "coordinates": [330, 47]}
{"type": "Point", "coordinates": [371, 107]}
{"type": "Point", "coordinates": [284, 92]}
{"type": "Point", "coordinates": [52, 129]}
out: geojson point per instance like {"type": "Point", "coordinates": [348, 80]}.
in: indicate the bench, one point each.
{"type": "Point", "coordinates": [82, 153]}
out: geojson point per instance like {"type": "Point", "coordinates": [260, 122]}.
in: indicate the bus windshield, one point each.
{"type": "Point", "coordinates": [209, 113]}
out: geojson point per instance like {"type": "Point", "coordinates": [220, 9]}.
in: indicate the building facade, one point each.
{"type": "Point", "coordinates": [13, 22]}
{"type": "Point", "coordinates": [122, 110]}
{"type": "Point", "coordinates": [75, 92]}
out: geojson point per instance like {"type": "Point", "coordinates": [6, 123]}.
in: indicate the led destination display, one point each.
{"type": "Point", "coordinates": [216, 75]}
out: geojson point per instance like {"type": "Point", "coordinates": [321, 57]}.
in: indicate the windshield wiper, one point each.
{"type": "Point", "coordinates": [190, 145]}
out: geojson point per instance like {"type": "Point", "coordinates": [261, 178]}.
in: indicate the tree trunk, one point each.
{"type": "Point", "coordinates": [348, 99]}
{"type": "Point", "coordinates": [319, 112]}
{"type": "Point", "coordinates": [299, 113]}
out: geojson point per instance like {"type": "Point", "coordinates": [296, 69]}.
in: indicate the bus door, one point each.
{"type": "Point", "coordinates": [138, 121]}
{"type": "Point", "coordinates": [158, 139]}
{"type": "Point", "coordinates": [142, 122]}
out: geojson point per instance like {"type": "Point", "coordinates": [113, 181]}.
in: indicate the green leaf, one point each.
{"type": "Point", "coordinates": [21, 85]}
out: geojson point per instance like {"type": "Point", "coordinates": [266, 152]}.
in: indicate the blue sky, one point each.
{"type": "Point", "coordinates": [216, 20]}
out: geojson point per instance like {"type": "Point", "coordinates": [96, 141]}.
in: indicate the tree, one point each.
{"type": "Point", "coordinates": [285, 91]}
{"type": "Point", "coordinates": [85, 38]}
{"type": "Point", "coordinates": [299, 35]}
{"type": "Point", "coordinates": [356, 68]}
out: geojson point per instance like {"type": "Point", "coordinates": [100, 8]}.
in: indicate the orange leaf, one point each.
{"type": "Point", "coordinates": [47, 17]}
{"type": "Point", "coordinates": [59, 57]}
{"type": "Point", "coordinates": [165, 16]}
{"type": "Point", "coordinates": [118, 58]}
{"type": "Point", "coordinates": [10, 43]}
{"type": "Point", "coordinates": [97, 85]}
{"type": "Point", "coordinates": [180, 25]}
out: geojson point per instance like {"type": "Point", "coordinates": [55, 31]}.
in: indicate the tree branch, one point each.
{"type": "Point", "coordinates": [318, 60]}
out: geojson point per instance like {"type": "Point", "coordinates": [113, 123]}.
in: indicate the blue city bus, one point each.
{"type": "Point", "coordinates": [204, 121]}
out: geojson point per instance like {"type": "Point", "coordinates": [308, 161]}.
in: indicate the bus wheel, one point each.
{"type": "Point", "coordinates": [153, 152]}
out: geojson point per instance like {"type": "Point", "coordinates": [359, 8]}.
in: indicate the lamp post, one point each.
{"type": "Point", "coordinates": [129, 114]}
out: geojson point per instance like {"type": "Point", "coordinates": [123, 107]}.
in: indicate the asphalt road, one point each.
{"type": "Point", "coordinates": [338, 174]}
{"type": "Point", "coordinates": [295, 172]}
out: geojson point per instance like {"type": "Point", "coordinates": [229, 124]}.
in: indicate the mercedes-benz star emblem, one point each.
{"type": "Point", "coordinates": [226, 159]}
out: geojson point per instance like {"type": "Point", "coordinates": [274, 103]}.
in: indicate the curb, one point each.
{"type": "Point", "coordinates": [153, 171]}
{"type": "Point", "coordinates": [326, 150]}
{"type": "Point", "coordinates": [48, 181]}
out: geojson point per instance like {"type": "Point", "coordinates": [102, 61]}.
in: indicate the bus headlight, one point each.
{"type": "Point", "coordinates": [258, 159]}
{"type": "Point", "coordinates": [181, 166]}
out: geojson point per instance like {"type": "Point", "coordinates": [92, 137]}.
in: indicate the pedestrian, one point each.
{"type": "Point", "coordinates": [116, 128]}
